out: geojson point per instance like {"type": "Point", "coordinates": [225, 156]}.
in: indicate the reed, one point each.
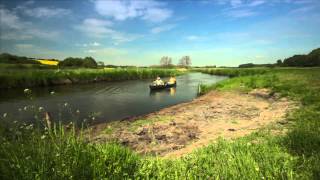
{"type": "Point", "coordinates": [12, 78]}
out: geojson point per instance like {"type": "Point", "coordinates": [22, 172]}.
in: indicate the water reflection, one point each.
{"type": "Point", "coordinates": [168, 91]}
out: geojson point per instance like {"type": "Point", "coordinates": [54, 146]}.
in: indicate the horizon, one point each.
{"type": "Point", "coordinates": [139, 33]}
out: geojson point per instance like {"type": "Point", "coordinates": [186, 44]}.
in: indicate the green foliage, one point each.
{"type": "Point", "coordinates": [312, 59]}
{"type": "Point", "coordinates": [63, 154]}
{"type": "Point", "coordinates": [12, 59]}
{"type": "Point", "coordinates": [5, 67]}
{"type": "Point", "coordinates": [87, 62]}
{"type": "Point", "coordinates": [233, 72]}
{"type": "Point", "coordinates": [27, 78]}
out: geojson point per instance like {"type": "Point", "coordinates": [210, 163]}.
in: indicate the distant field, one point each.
{"type": "Point", "coordinates": [49, 62]}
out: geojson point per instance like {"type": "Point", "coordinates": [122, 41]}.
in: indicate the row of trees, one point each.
{"type": "Point", "coordinates": [309, 60]}
{"type": "Point", "coordinates": [87, 62]}
{"type": "Point", "coordinates": [12, 59]}
{"type": "Point", "coordinates": [166, 61]}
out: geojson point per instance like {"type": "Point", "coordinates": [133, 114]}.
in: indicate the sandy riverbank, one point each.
{"type": "Point", "coordinates": [178, 130]}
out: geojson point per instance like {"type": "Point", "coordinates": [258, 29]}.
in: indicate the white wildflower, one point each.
{"type": "Point", "coordinates": [27, 90]}
{"type": "Point", "coordinates": [43, 137]}
{"type": "Point", "coordinates": [25, 108]}
{"type": "Point", "coordinates": [40, 108]}
{"type": "Point", "coordinates": [52, 92]}
{"type": "Point", "coordinates": [66, 104]}
{"type": "Point", "coordinates": [5, 115]}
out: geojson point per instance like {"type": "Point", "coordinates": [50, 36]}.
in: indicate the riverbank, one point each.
{"type": "Point", "coordinates": [287, 148]}
{"type": "Point", "coordinates": [178, 130]}
{"type": "Point", "coordinates": [26, 78]}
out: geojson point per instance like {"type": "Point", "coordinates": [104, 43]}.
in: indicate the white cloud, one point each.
{"type": "Point", "coordinates": [256, 3]}
{"type": "Point", "coordinates": [95, 27]}
{"type": "Point", "coordinates": [160, 29]}
{"type": "Point", "coordinates": [10, 19]}
{"type": "Point", "coordinates": [93, 44]}
{"type": "Point", "coordinates": [241, 13]}
{"type": "Point", "coordinates": [24, 46]}
{"type": "Point", "coordinates": [157, 15]}
{"type": "Point", "coordinates": [193, 38]}
{"type": "Point", "coordinates": [235, 3]}
{"type": "Point", "coordinates": [41, 12]}
{"type": "Point", "coordinates": [14, 28]}
{"type": "Point", "coordinates": [98, 28]}
{"type": "Point", "coordinates": [90, 51]}
{"type": "Point", "coordinates": [151, 10]}
{"type": "Point", "coordinates": [14, 36]}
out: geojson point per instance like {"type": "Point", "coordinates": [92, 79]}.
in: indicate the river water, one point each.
{"type": "Point", "coordinates": [99, 102]}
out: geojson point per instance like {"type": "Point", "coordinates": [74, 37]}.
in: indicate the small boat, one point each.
{"type": "Point", "coordinates": [158, 87]}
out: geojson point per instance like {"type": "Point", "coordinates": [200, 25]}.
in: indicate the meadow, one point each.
{"type": "Point", "coordinates": [47, 151]}
{"type": "Point", "coordinates": [29, 77]}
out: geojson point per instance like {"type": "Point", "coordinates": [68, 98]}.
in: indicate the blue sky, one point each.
{"type": "Point", "coordinates": [213, 32]}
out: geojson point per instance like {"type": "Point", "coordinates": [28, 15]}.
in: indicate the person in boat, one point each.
{"type": "Point", "coordinates": [172, 80]}
{"type": "Point", "coordinates": [158, 82]}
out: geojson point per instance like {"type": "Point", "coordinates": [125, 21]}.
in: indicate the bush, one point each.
{"type": "Point", "coordinates": [87, 62]}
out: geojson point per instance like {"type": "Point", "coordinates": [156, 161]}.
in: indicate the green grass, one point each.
{"type": "Point", "coordinates": [29, 153]}
{"type": "Point", "coordinates": [303, 85]}
{"type": "Point", "coordinates": [45, 77]}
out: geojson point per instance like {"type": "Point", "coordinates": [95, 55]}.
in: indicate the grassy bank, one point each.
{"type": "Point", "coordinates": [39, 77]}
{"type": "Point", "coordinates": [29, 153]}
{"type": "Point", "coordinates": [301, 84]}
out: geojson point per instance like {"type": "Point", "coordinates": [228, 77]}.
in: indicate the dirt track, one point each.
{"type": "Point", "coordinates": [177, 130]}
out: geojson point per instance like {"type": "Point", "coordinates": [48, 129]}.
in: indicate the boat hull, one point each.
{"type": "Point", "coordinates": [165, 86]}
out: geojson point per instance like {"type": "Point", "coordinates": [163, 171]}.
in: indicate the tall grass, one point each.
{"type": "Point", "coordinates": [56, 153]}
{"type": "Point", "coordinates": [28, 153]}
{"type": "Point", "coordinates": [37, 77]}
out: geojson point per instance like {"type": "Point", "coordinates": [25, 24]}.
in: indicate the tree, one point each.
{"type": "Point", "coordinates": [166, 61]}
{"type": "Point", "coordinates": [89, 62]}
{"type": "Point", "coordinates": [101, 63]}
{"type": "Point", "coordinates": [185, 61]}
{"type": "Point", "coordinates": [279, 62]}
{"type": "Point", "coordinates": [248, 65]}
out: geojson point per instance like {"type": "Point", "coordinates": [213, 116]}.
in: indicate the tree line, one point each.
{"type": "Point", "coordinates": [7, 58]}
{"type": "Point", "coordinates": [305, 60]}
{"type": "Point", "coordinates": [87, 62]}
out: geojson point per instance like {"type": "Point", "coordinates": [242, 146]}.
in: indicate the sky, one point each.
{"type": "Point", "coordinates": [140, 32]}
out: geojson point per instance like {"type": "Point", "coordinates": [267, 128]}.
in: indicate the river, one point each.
{"type": "Point", "coordinates": [99, 102]}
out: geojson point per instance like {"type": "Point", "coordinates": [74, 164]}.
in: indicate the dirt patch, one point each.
{"type": "Point", "coordinates": [177, 130]}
